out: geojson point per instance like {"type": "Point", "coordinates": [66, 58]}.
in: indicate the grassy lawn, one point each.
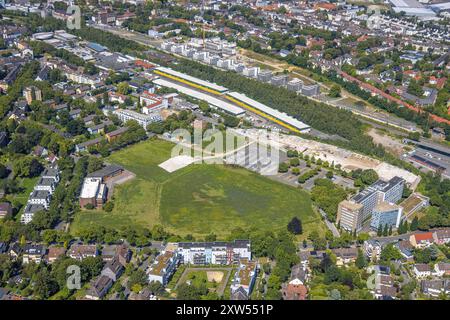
{"type": "Point", "coordinates": [197, 199]}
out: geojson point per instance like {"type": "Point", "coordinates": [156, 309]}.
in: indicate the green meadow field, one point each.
{"type": "Point", "coordinates": [198, 199]}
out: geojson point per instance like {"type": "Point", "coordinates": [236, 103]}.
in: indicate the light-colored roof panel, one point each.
{"type": "Point", "coordinates": [201, 96]}
{"type": "Point", "coordinates": [192, 79]}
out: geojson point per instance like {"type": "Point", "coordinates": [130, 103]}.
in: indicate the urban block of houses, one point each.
{"type": "Point", "coordinates": [82, 251]}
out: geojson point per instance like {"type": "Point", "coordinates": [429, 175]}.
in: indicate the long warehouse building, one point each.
{"type": "Point", "coordinates": [302, 127]}
{"type": "Point", "coordinates": [225, 106]}
{"type": "Point", "coordinates": [189, 78]}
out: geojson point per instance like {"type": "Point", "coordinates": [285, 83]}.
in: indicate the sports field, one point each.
{"type": "Point", "coordinates": [198, 199]}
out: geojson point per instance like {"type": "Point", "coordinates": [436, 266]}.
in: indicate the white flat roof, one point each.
{"type": "Point", "coordinates": [193, 79]}
{"type": "Point", "coordinates": [201, 96]}
{"type": "Point", "coordinates": [270, 111]}
{"type": "Point", "coordinates": [90, 187]}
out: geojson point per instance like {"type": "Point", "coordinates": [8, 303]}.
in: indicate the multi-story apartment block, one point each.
{"type": "Point", "coordinates": [164, 267]}
{"type": "Point", "coordinates": [245, 277]}
{"type": "Point", "coordinates": [143, 119]}
{"type": "Point", "coordinates": [151, 102]}
{"type": "Point", "coordinates": [45, 184]}
{"type": "Point", "coordinates": [201, 253]}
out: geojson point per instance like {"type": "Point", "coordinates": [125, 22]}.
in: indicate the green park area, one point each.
{"type": "Point", "coordinates": [198, 199]}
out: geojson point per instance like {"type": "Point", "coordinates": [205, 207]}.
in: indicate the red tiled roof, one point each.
{"type": "Point", "coordinates": [375, 90]}
{"type": "Point", "coordinates": [423, 236]}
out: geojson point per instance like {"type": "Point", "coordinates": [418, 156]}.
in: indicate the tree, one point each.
{"type": "Point", "coordinates": [335, 91]}
{"type": "Point", "coordinates": [295, 226]}
{"type": "Point", "coordinates": [361, 261]}
{"type": "Point", "coordinates": [389, 252]}
{"type": "Point", "coordinates": [380, 230]}
{"type": "Point", "coordinates": [44, 284]}
{"type": "Point", "coordinates": [27, 167]}
{"type": "Point", "coordinates": [294, 162]}
{"type": "Point", "coordinates": [156, 127]}
{"type": "Point", "coordinates": [415, 88]}
{"type": "Point", "coordinates": [123, 88]}
{"type": "Point", "coordinates": [369, 176]}
{"type": "Point", "coordinates": [3, 171]}
{"type": "Point", "coordinates": [329, 174]}
{"type": "Point", "coordinates": [283, 167]}
{"type": "Point", "coordinates": [414, 224]}
{"type": "Point", "coordinates": [385, 230]}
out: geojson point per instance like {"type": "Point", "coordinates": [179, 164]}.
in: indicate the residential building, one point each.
{"type": "Point", "coordinates": [85, 145]}
{"type": "Point", "coordinates": [201, 253]}
{"type": "Point", "coordinates": [441, 236]}
{"type": "Point", "coordinates": [422, 270]}
{"type": "Point", "coordinates": [14, 251]}
{"type": "Point", "coordinates": [435, 288]}
{"type": "Point", "coordinates": [310, 90]}
{"type": "Point", "coordinates": [33, 253]}
{"type": "Point", "coordinates": [45, 184]}
{"type": "Point", "coordinates": [54, 253]}
{"type": "Point", "coordinates": [41, 197]}
{"type": "Point", "coordinates": [372, 249]}
{"type": "Point", "coordinates": [345, 255]}
{"type": "Point", "coordinates": [143, 119]}
{"type": "Point", "coordinates": [81, 251]}
{"type": "Point", "coordinates": [113, 269]}
{"type": "Point", "coordinates": [245, 276]}
{"type": "Point", "coordinates": [32, 93]}
{"type": "Point", "coordinates": [99, 288]}
{"type": "Point", "coordinates": [406, 249]}
{"type": "Point", "coordinates": [421, 240]}
{"type": "Point", "coordinates": [164, 267]}
{"type": "Point", "coordinates": [295, 85]}
{"type": "Point", "coordinates": [294, 290]}
{"type": "Point", "coordinates": [151, 102]}
{"type": "Point", "coordinates": [442, 268]}
{"type": "Point", "coordinates": [51, 173]}
{"type": "Point", "coordinates": [113, 135]}
{"type": "Point", "coordinates": [30, 210]}
{"type": "Point", "coordinates": [5, 210]}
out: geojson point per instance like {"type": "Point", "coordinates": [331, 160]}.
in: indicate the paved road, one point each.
{"type": "Point", "coordinates": [329, 224]}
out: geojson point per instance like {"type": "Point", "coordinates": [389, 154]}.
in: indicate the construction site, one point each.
{"type": "Point", "coordinates": [348, 160]}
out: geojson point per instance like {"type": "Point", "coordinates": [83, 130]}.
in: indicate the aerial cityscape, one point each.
{"type": "Point", "coordinates": [252, 150]}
